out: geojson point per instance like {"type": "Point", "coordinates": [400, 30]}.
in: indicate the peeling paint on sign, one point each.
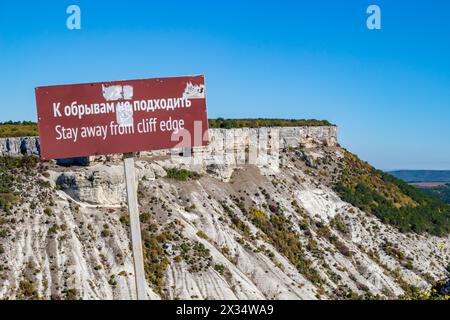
{"type": "Point", "coordinates": [193, 91]}
{"type": "Point", "coordinates": [127, 92]}
{"type": "Point", "coordinates": [124, 114]}
{"type": "Point", "coordinates": [115, 93]}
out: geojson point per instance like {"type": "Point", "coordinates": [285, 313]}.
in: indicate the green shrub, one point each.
{"type": "Point", "coordinates": [260, 122]}
{"type": "Point", "coordinates": [27, 290]}
{"type": "Point", "coordinates": [3, 233]}
{"type": "Point", "coordinates": [439, 291]}
{"type": "Point", "coordinates": [202, 235]}
{"type": "Point", "coordinates": [220, 268]}
{"type": "Point", "coordinates": [145, 217]}
{"type": "Point", "coordinates": [181, 174]}
{"type": "Point", "coordinates": [340, 224]}
{"type": "Point", "coordinates": [105, 233]}
{"type": "Point", "coordinates": [112, 281]}
{"type": "Point", "coordinates": [70, 294]}
{"type": "Point", "coordinates": [53, 229]}
{"type": "Point", "coordinates": [125, 219]}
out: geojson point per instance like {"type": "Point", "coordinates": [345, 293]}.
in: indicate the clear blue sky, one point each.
{"type": "Point", "coordinates": [387, 90]}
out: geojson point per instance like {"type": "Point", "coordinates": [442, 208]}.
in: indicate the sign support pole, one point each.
{"type": "Point", "coordinates": [136, 240]}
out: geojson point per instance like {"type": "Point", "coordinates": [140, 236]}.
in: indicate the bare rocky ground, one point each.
{"type": "Point", "coordinates": [260, 232]}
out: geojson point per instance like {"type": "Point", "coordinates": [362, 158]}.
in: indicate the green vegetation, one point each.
{"type": "Point", "coordinates": [390, 199]}
{"type": "Point", "coordinates": [325, 232]}
{"type": "Point", "coordinates": [11, 170]}
{"type": "Point", "coordinates": [125, 219]}
{"type": "Point", "coordinates": [155, 259]}
{"type": "Point", "coordinates": [279, 232]}
{"type": "Point", "coordinates": [257, 123]}
{"type": "Point", "coordinates": [18, 129]}
{"type": "Point", "coordinates": [220, 268]}
{"type": "Point", "coordinates": [196, 255]}
{"type": "Point", "coordinates": [27, 290]}
{"type": "Point", "coordinates": [202, 235]}
{"type": "Point", "coordinates": [70, 294]}
{"type": "Point", "coordinates": [106, 232]}
{"type": "Point", "coordinates": [145, 217]}
{"type": "Point", "coordinates": [155, 262]}
{"type": "Point", "coordinates": [339, 223]}
{"type": "Point", "coordinates": [53, 229]}
{"type": "Point", "coordinates": [439, 291]}
{"type": "Point", "coordinates": [112, 280]}
{"type": "Point", "coordinates": [441, 192]}
{"type": "Point", "coordinates": [181, 174]}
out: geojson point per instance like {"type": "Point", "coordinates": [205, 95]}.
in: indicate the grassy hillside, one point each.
{"type": "Point", "coordinates": [391, 199]}
{"type": "Point", "coordinates": [18, 129]}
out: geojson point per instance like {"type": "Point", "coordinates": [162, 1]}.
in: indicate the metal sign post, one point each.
{"type": "Point", "coordinates": [136, 240]}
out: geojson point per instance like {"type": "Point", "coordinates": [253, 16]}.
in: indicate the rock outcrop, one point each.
{"type": "Point", "coordinates": [19, 146]}
{"type": "Point", "coordinates": [221, 139]}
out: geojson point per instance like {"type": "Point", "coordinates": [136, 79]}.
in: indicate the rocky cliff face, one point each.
{"type": "Point", "coordinates": [14, 147]}
{"type": "Point", "coordinates": [221, 139]}
{"type": "Point", "coordinates": [241, 226]}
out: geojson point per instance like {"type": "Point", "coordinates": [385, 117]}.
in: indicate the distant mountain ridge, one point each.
{"type": "Point", "coordinates": [422, 175]}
